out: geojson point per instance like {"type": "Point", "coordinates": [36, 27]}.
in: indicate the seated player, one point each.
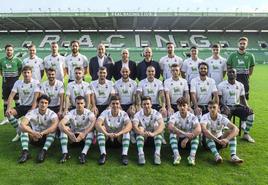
{"type": "Point", "coordinates": [80, 127]}
{"type": "Point", "coordinates": [39, 127]}
{"type": "Point", "coordinates": [114, 125]}
{"type": "Point", "coordinates": [184, 132]}
{"type": "Point", "coordinates": [234, 103]}
{"type": "Point", "coordinates": [215, 137]}
{"type": "Point", "coordinates": [148, 124]}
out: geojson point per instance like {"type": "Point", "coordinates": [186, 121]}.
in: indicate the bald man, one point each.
{"type": "Point", "coordinates": [101, 60]}
{"type": "Point", "coordinates": [125, 62]}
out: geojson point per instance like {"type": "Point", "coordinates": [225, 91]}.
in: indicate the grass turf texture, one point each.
{"type": "Point", "coordinates": [254, 170]}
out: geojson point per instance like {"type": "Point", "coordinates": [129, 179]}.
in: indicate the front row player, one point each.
{"type": "Point", "coordinates": [39, 127]}
{"type": "Point", "coordinates": [148, 124]}
{"type": "Point", "coordinates": [113, 125]}
{"type": "Point", "coordinates": [81, 124]}
{"type": "Point", "coordinates": [215, 137]}
{"type": "Point", "coordinates": [184, 130]}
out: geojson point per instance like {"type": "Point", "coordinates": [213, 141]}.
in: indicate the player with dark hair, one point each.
{"type": "Point", "coordinates": [39, 127]}
{"type": "Point", "coordinates": [113, 125]}
{"type": "Point", "coordinates": [76, 127]}
{"type": "Point", "coordinates": [10, 69]}
{"type": "Point", "coordinates": [215, 137]}
{"type": "Point", "coordinates": [184, 130]}
{"type": "Point", "coordinates": [243, 62]}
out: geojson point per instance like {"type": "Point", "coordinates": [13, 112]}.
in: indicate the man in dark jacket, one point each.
{"type": "Point", "coordinates": [101, 60]}
{"type": "Point", "coordinates": [125, 62]}
{"type": "Point", "coordinates": [148, 61]}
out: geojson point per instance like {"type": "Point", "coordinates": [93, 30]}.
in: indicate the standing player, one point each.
{"type": "Point", "coordinates": [216, 65]}
{"type": "Point", "coordinates": [56, 61]}
{"type": "Point", "coordinates": [81, 123]}
{"type": "Point", "coordinates": [28, 90]}
{"type": "Point", "coordinates": [77, 88]}
{"type": "Point", "coordinates": [243, 62]}
{"type": "Point", "coordinates": [233, 101]}
{"type": "Point", "coordinates": [55, 90]}
{"type": "Point", "coordinates": [10, 69]}
{"type": "Point", "coordinates": [189, 68]}
{"type": "Point", "coordinates": [75, 59]}
{"type": "Point", "coordinates": [148, 124]}
{"type": "Point", "coordinates": [216, 137]}
{"type": "Point", "coordinates": [203, 89]}
{"type": "Point", "coordinates": [167, 61]}
{"type": "Point", "coordinates": [35, 62]}
{"type": "Point", "coordinates": [114, 125]}
{"type": "Point", "coordinates": [184, 130]}
{"type": "Point", "coordinates": [39, 127]}
{"type": "Point", "coordinates": [102, 90]}
{"type": "Point", "coordinates": [175, 88]}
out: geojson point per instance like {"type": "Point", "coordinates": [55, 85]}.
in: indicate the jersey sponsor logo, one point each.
{"type": "Point", "coordinates": [8, 66]}
{"type": "Point", "coordinates": [150, 91]}
{"type": "Point", "coordinates": [76, 93]}
{"type": "Point", "coordinates": [176, 89]}
{"type": "Point", "coordinates": [26, 91]}
{"type": "Point", "coordinates": [203, 89]}
{"type": "Point", "coordinates": [101, 93]}
{"type": "Point", "coordinates": [124, 91]}
{"type": "Point", "coordinates": [231, 93]}
{"type": "Point", "coordinates": [194, 68]}
{"type": "Point", "coordinates": [74, 64]}
{"type": "Point", "coordinates": [240, 62]}
{"type": "Point", "coordinates": [50, 94]}
{"type": "Point", "coordinates": [214, 67]}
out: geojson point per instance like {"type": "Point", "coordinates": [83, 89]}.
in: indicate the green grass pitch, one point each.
{"type": "Point", "coordinates": [253, 171]}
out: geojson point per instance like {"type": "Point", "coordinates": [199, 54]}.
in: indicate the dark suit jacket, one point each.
{"type": "Point", "coordinates": [142, 66]}
{"type": "Point", "coordinates": [118, 66]}
{"type": "Point", "coordinates": [94, 67]}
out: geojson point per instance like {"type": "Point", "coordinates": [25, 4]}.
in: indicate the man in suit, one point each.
{"type": "Point", "coordinates": [101, 60]}
{"type": "Point", "coordinates": [148, 61]}
{"type": "Point", "coordinates": [125, 62]}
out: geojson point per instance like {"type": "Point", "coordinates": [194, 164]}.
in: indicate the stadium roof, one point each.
{"type": "Point", "coordinates": [137, 21]}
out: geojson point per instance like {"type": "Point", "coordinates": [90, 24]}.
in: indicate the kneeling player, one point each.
{"type": "Point", "coordinates": [81, 126]}
{"type": "Point", "coordinates": [184, 129]}
{"type": "Point", "coordinates": [216, 138]}
{"type": "Point", "coordinates": [148, 124]}
{"type": "Point", "coordinates": [114, 125]}
{"type": "Point", "coordinates": [38, 126]}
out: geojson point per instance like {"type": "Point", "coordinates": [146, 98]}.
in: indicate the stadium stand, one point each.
{"type": "Point", "coordinates": [131, 30]}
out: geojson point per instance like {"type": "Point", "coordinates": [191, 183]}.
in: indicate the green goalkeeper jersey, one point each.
{"type": "Point", "coordinates": [10, 67]}
{"type": "Point", "coordinates": [241, 62]}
